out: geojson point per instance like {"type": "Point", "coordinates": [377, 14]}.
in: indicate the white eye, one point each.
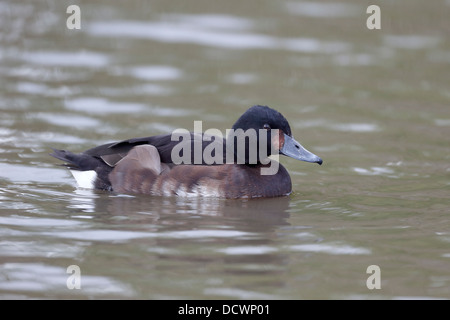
{"type": "Point", "coordinates": [266, 126]}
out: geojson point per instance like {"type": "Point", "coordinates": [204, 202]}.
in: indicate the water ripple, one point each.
{"type": "Point", "coordinates": [156, 72]}
{"type": "Point", "coordinates": [411, 42]}
{"type": "Point", "coordinates": [71, 59]}
{"type": "Point", "coordinates": [356, 127]}
{"type": "Point", "coordinates": [66, 120]}
{"type": "Point", "coordinates": [237, 293]}
{"type": "Point", "coordinates": [212, 21]}
{"type": "Point", "coordinates": [46, 278]}
{"type": "Point", "coordinates": [102, 106]}
{"type": "Point", "coordinates": [180, 33]}
{"type": "Point", "coordinates": [373, 171]}
{"type": "Point", "coordinates": [37, 222]}
{"type": "Point", "coordinates": [20, 173]}
{"type": "Point", "coordinates": [123, 235]}
{"type": "Point", "coordinates": [323, 9]}
{"type": "Point", "coordinates": [245, 250]}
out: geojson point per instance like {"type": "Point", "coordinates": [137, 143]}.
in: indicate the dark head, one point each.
{"type": "Point", "coordinates": [264, 120]}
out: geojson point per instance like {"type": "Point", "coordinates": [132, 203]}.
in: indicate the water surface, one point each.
{"type": "Point", "coordinates": [374, 104]}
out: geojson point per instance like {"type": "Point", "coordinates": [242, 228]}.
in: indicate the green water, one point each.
{"type": "Point", "coordinates": [374, 104]}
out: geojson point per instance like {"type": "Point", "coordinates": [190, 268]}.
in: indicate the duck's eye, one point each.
{"type": "Point", "coordinates": [266, 126]}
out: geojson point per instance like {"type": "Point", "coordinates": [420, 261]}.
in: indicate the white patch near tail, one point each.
{"type": "Point", "coordinates": [85, 179]}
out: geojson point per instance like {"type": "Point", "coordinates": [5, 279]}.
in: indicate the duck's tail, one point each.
{"type": "Point", "coordinates": [90, 172]}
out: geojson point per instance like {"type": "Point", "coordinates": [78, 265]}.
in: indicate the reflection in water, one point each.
{"type": "Point", "coordinates": [83, 199]}
{"type": "Point", "coordinates": [58, 58]}
{"type": "Point", "coordinates": [103, 106]}
{"type": "Point", "coordinates": [412, 42]}
{"type": "Point", "coordinates": [178, 31]}
{"type": "Point", "coordinates": [253, 213]}
{"type": "Point", "coordinates": [155, 73]}
{"type": "Point", "coordinates": [37, 277]}
{"type": "Point", "coordinates": [323, 10]}
{"type": "Point", "coordinates": [215, 241]}
{"type": "Point", "coordinates": [172, 235]}
{"type": "Point", "coordinates": [375, 103]}
{"type": "Point", "coordinates": [330, 248]}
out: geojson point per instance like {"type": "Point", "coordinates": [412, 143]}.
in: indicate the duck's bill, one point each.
{"type": "Point", "coordinates": [294, 149]}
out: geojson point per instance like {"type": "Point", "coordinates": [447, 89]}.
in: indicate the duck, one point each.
{"type": "Point", "coordinates": [245, 165]}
